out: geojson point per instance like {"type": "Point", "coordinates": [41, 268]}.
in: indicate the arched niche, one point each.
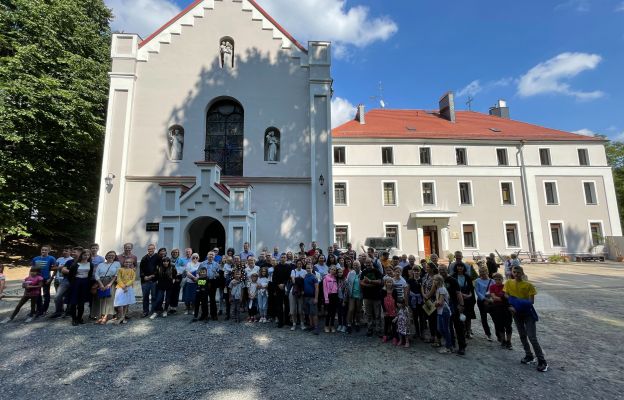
{"type": "Point", "coordinates": [226, 52]}
{"type": "Point", "coordinates": [272, 144]}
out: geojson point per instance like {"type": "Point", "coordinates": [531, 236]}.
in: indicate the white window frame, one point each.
{"type": "Point", "coordinates": [398, 225]}
{"type": "Point", "coordinates": [396, 194]}
{"type": "Point", "coordinates": [558, 202]}
{"type": "Point", "coordinates": [476, 235]}
{"type": "Point", "coordinates": [459, 193]}
{"type": "Point", "coordinates": [345, 154]}
{"type": "Point", "coordinates": [539, 156]}
{"type": "Point", "coordinates": [381, 151]}
{"type": "Point", "coordinates": [517, 224]}
{"type": "Point", "coordinates": [513, 193]}
{"type": "Point", "coordinates": [430, 155]}
{"type": "Point", "coordinates": [346, 203]}
{"type": "Point", "coordinates": [589, 232]}
{"type": "Point", "coordinates": [563, 235]}
{"type": "Point", "coordinates": [506, 156]}
{"type": "Point", "coordinates": [595, 192]}
{"type": "Point", "coordinates": [579, 160]}
{"type": "Point", "coordinates": [465, 155]}
{"type": "Point", "coordinates": [348, 225]}
{"type": "Point", "coordinates": [435, 193]}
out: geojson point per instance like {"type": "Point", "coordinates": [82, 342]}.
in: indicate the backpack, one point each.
{"type": "Point", "coordinates": [297, 288]}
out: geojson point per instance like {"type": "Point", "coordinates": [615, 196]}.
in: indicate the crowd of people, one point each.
{"type": "Point", "coordinates": [394, 298]}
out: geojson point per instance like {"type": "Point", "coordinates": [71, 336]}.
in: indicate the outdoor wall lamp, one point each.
{"type": "Point", "coordinates": [321, 180]}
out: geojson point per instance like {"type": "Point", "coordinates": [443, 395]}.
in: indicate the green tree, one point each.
{"type": "Point", "coordinates": [615, 158]}
{"type": "Point", "coordinates": [54, 58]}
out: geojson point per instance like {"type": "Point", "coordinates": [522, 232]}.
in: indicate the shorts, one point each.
{"type": "Point", "coordinates": [309, 307]}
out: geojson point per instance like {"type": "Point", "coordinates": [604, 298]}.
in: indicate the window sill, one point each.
{"type": "Point", "coordinates": [272, 162]}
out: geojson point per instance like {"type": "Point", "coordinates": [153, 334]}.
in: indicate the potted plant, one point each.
{"type": "Point", "coordinates": [614, 249]}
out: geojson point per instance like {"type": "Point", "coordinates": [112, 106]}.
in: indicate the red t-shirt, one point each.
{"type": "Point", "coordinates": [33, 280]}
{"type": "Point", "coordinates": [389, 305]}
{"type": "Point", "coordinates": [497, 290]}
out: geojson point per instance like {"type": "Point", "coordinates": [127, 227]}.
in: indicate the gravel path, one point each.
{"type": "Point", "coordinates": [580, 331]}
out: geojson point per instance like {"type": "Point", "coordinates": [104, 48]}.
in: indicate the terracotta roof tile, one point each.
{"type": "Point", "coordinates": [469, 125]}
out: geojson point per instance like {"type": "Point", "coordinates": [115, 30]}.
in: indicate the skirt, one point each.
{"type": "Point", "coordinates": [123, 298]}
{"type": "Point", "coordinates": [103, 306]}
{"type": "Point", "coordinates": [188, 295]}
{"type": "Point", "coordinates": [80, 291]}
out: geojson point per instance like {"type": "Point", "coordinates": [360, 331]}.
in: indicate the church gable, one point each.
{"type": "Point", "coordinates": [199, 9]}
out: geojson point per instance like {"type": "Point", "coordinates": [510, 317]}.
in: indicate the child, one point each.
{"type": "Point", "coordinates": [32, 291]}
{"type": "Point", "coordinates": [343, 301]}
{"type": "Point", "coordinates": [390, 311]}
{"type": "Point", "coordinates": [310, 297]}
{"type": "Point", "coordinates": [443, 313]}
{"type": "Point", "coordinates": [236, 293]}
{"type": "Point", "coordinates": [499, 310]}
{"type": "Point", "coordinates": [252, 292]}
{"type": "Point", "coordinates": [263, 293]}
{"type": "Point", "coordinates": [401, 322]}
{"type": "Point", "coordinates": [201, 295]}
{"type": "Point", "coordinates": [124, 295]}
{"type": "Point", "coordinates": [330, 293]}
{"type": "Point", "coordinates": [2, 281]}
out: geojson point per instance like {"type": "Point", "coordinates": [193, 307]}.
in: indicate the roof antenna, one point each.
{"type": "Point", "coordinates": [382, 103]}
{"type": "Point", "coordinates": [469, 103]}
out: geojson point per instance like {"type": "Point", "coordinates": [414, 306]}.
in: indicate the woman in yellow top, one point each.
{"type": "Point", "coordinates": [521, 295]}
{"type": "Point", "coordinates": [124, 295]}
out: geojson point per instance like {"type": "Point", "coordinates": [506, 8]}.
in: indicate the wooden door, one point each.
{"type": "Point", "coordinates": [427, 242]}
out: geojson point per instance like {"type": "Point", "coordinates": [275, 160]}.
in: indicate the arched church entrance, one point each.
{"type": "Point", "coordinates": [204, 234]}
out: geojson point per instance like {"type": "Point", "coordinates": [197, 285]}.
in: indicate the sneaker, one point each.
{"type": "Point", "coordinates": [303, 328]}
{"type": "Point", "coordinates": [527, 360]}
{"type": "Point", "coordinates": [29, 319]}
{"type": "Point", "coordinates": [164, 314]}
{"type": "Point", "coordinates": [187, 312]}
{"type": "Point", "coordinates": [153, 316]}
{"type": "Point", "coordinates": [542, 366]}
{"type": "Point", "coordinates": [332, 329]}
{"type": "Point", "coordinates": [445, 350]}
{"type": "Point", "coordinates": [327, 329]}
{"type": "Point", "coordinates": [461, 352]}
{"type": "Point", "coordinates": [292, 328]}
{"type": "Point", "coordinates": [55, 315]}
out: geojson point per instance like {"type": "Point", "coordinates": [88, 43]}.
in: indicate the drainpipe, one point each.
{"type": "Point", "coordinates": [525, 197]}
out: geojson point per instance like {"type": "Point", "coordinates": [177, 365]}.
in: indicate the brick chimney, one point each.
{"type": "Point", "coordinates": [359, 116]}
{"type": "Point", "coordinates": [500, 109]}
{"type": "Point", "coordinates": [447, 106]}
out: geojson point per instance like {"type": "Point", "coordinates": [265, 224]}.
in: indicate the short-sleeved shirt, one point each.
{"type": "Point", "coordinates": [309, 283]}
{"type": "Point", "coordinates": [521, 290]}
{"type": "Point", "coordinates": [202, 284]}
{"type": "Point", "coordinates": [453, 288]}
{"type": "Point", "coordinates": [181, 264]}
{"type": "Point", "coordinates": [43, 264]}
{"type": "Point", "coordinates": [298, 274]}
{"type": "Point", "coordinates": [399, 286]}
{"type": "Point", "coordinates": [445, 294]}
{"type": "Point", "coordinates": [236, 289]}
{"type": "Point", "coordinates": [371, 292]}
{"type": "Point", "coordinates": [60, 263]}
{"type": "Point", "coordinates": [97, 260]}
{"type": "Point", "coordinates": [31, 281]}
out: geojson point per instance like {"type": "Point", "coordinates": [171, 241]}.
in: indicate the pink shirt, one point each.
{"type": "Point", "coordinates": [33, 280]}
{"type": "Point", "coordinates": [329, 286]}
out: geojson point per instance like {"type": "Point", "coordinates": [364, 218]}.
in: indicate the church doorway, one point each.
{"type": "Point", "coordinates": [204, 234]}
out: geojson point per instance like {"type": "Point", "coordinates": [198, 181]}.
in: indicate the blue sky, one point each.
{"type": "Point", "coordinates": [557, 63]}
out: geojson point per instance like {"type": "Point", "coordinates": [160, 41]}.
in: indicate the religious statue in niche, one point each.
{"type": "Point", "coordinates": [227, 53]}
{"type": "Point", "coordinates": [175, 136]}
{"type": "Point", "coordinates": [271, 145]}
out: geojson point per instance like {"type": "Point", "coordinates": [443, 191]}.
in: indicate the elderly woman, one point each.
{"type": "Point", "coordinates": [190, 287]}
{"type": "Point", "coordinates": [105, 275]}
{"type": "Point", "coordinates": [467, 291]}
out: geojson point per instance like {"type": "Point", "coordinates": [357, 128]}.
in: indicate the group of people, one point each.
{"type": "Point", "coordinates": [395, 298]}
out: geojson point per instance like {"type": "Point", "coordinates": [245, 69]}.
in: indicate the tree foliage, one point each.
{"type": "Point", "coordinates": [54, 58]}
{"type": "Point", "coordinates": [615, 158]}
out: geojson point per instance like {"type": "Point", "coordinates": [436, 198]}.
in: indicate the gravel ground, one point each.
{"type": "Point", "coordinates": [582, 316]}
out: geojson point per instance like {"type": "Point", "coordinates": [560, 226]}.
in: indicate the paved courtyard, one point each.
{"type": "Point", "coordinates": [581, 330]}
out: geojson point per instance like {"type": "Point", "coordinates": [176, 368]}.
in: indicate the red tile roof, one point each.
{"type": "Point", "coordinates": [422, 124]}
{"type": "Point", "coordinates": [196, 2]}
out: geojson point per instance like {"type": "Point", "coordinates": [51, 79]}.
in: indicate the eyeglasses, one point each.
{"type": "Point", "coordinates": [195, 257]}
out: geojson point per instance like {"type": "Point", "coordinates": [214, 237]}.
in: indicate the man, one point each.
{"type": "Point", "coordinates": [127, 253]}
{"type": "Point", "coordinates": [246, 253]}
{"type": "Point", "coordinates": [302, 251]}
{"type": "Point", "coordinates": [336, 251]}
{"type": "Point", "coordinates": [212, 273]}
{"type": "Point", "coordinates": [281, 276]}
{"type": "Point", "coordinates": [385, 260]}
{"type": "Point", "coordinates": [44, 264]}
{"type": "Point", "coordinates": [96, 259]}
{"type": "Point", "coordinates": [147, 272]}
{"type": "Point", "coordinates": [491, 264]}
{"type": "Point", "coordinates": [456, 303]}
{"type": "Point", "coordinates": [276, 253]}
{"type": "Point", "coordinates": [411, 263]}
{"type": "Point", "coordinates": [403, 261]}
{"type": "Point", "coordinates": [261, 262]}
{"type": "Point", "coordinates": [375, 260]}
{"type": "Point", "coordinates": [370, 283]}
{"type": "Point", "coordinates": [312, 251]}
{"type": "Point", "coordinates": [459, 260]}
{"type": "Point", "coordinates": [521, 296]}
{"type": "Point", "coordinates": [61, 283]}
{"type": "Point", "coordinates": [350, 252]}
{"type": "Point", "coordinates": [217, 257]}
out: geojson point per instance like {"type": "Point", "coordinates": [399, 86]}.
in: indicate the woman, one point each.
{"type": "Point", "coordinates": [428, 293]}
{"type": "Point", "coordinates": [443, 313]}
{"type": "Point", "coordinates": [482, 287]}
{"type": "Point", "coordinates": [330, 294]}
{"type": "Point", "coordinates": [105, 276]}
{"type": "Point", "coordinates": [295, 294]}
{"type": "Point", "coordinates": [467, 290]}
{"type": "Point", "coordinates": [190, 286]}
{"type": "Point", "coordinates": [175, 290]}
{"type": "Point", "coordinates": [80, 276]}
{"type": "Point", "coordinates": [165, 277]}
{"type": "Point", "coordinates": [331, 260]}
{"type": "Point", "coordinates": [347, 265]}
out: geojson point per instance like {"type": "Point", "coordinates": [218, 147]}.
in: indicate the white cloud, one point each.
{"type": "Point", "coordinates": [141, 16]}
{"type": "Point", "coordinates": [620, 7]}
{"type": "Point", "coordinates": [576, 5]}
{"type": "Point", "coordinates": [331, 20]}
{"type": "Point", "coordinates": [585, 131]}
{"type": "Point", "coordinates": [470, 89]}
{"type": "Point", "coordinates": [549, 76]}
{"type": "Point", "coordinates": [342, 111]}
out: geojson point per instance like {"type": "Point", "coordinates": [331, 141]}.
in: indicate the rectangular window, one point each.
{"type": "Point", "coordinates": [239, 200]}
{"type": "Point", "coordinates": [511, 234]}
{"type": "Point", "coordinates": [556, 234]}
{"type": "Point", "coordinates": [170, 200]}
{"type": "Point", "coordinates": [339, 155]}
{"type": "Point", "coordinates": [342, 236]}
{"type": "Point", "coordinates": [590, 193]}
{"type": "Point", "coordinates": [470, 238]}
{"type": "Point", "coordinates": [425, 156]}
{"type": "Point", "coordinates": [465, 196]}
{"type": "Point", "coordinates": [460, 156]}
{"type": "Point", "coordinates": [583, 156]}
{"type": "Point", "coordinates": [237, 233]}
{"type": "Point", "coordinates": [386, 155]}
{"type": "Point", "coordinates": [544, 156]}
{"type": "Point", "coordinates": [389, 194]}
{"type": "Point", "coordinates": [507, 192]}
{"type": "Point", "coordinates": [392, 232]}
{"type": "Point", "coordinates": [595, 228]}
{"type": "Point", "coordinates": [340, 193]}
{"type": "Point", "coordinates": [428, 193]}
{"type": "Point", "coordinates": [551, 193]}
{"type": "Point", "coordinates": [501, 155]}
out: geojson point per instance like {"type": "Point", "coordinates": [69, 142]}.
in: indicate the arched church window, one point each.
{"type": "Point", "coordinates": [224, 136]}
{"type": "Point", "coordinates": [272, 142]}
{"type": "Point", "coordinates": [226, 51]}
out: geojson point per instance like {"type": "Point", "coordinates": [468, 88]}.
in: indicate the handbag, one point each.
{"type": "Point", "coordinates": [429, 307]}
{"type": "Point", "coordinates": [104, 293]}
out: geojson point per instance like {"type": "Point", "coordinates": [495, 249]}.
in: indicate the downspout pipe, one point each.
{"type": "Point", "coordinates": [525, 197]}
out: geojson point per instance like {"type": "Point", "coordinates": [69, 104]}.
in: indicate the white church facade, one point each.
{"type": "Point", "coordinates": [217, 133]}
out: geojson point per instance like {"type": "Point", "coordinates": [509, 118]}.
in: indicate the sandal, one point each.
{"type": "Point", "coordinates": [436, 345]}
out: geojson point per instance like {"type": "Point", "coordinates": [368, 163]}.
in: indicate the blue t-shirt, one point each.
{"type": "Point", "coordinates": [97, 260]}
{"type": "Point", "coordinates": [181, 264]}
{"type": "Point", "coordinates": [309, 283]}
{"type": "Point", "coordinates": [43, 264]}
